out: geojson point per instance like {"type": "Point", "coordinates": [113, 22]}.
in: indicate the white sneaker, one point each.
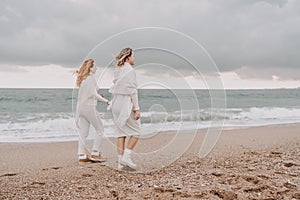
{"type": "Point", "coordinates": [120, 166]}
{"type": "Point", "coordinates": [126, 159]}
{"type": "Point", "coordinates": [83, 158]}
{"type": "Point", "coordinates": [99, 158]}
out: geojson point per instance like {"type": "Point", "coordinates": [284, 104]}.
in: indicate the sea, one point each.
{"type": "Point", "coordinates": [46, 115]}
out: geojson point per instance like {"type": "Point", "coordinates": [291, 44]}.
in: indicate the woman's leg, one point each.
{"type": "Point", "coordinates": [132, 142]}
{"type": "Point", "coordinates": [95, 120]}
{"type": "Point", "coordinates": [126, 158]}
{"type": "Point", "coordinates": [121, 145]}
{"type": "Point", "coordinates": [84, 127]}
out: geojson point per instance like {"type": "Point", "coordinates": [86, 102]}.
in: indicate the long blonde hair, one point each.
{"type": "Point", "coordinates": [84, 71]}
{"type": "Point", "coordinates": [122, 57]}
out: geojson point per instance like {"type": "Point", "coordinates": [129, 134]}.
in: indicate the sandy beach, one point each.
{"type": "Point", "coordinates": [247, 163]}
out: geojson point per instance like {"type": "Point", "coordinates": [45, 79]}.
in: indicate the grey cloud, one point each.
{"type": "Point", "coordinates": [255, 33]}
{"type": "Point", "coordinates": [268, 73]}
{"type": "Point", "coordinates": [14, 69]}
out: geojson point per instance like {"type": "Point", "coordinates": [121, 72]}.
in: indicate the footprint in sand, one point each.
{"type": "Point", "coordinates": [87, 175]}
{"type": "Point", "coordinates": [275, 154]}
{"type": "Point", "coordinates": [217, 174]}
{"type": "Point", "coordinates": [257, 189]}
{"type": "Point", "coordinates": [289, 185]}
{"type": "Point", "coordinates": [37, 183]}
{"type": "Point", "coordinates": [289, 164]}
{"type": "Point", "coordinates": [263, 176]}
{"type": "Point", "coordinates": [55, 167]}
{"type": "Point", "coordinates": [251, 179]}
{"type": "Point", "coordinates": [9, 174]}
{"type": "Point", "coordinates": [224, 194]}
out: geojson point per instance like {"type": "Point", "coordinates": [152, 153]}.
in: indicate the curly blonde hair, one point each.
{"type": "Point", "coordinates": [123, 55]}
{"type": "Point", "coordinates": [84, 71]}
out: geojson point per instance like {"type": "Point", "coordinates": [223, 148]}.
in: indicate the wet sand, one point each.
{"type": "Point", "coordinates": [248, 163]}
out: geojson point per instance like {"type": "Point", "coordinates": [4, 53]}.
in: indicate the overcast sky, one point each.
{"type": "Point", "coordinates": [254, 43]}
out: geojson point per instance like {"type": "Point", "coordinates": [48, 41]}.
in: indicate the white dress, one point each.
{"type": "Point", "coordinates": [124, 102]}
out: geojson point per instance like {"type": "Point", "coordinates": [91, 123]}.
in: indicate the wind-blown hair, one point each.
{"type": "Point", "coordinates": [123, 55]}
{"type": "Point", "coordinates": [84, 71]}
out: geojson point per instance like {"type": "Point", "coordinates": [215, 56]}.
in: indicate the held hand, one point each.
{"type": "Point", "coordinates": [137, 115]}
{"type": "Point", "coordinates": [109, 105]}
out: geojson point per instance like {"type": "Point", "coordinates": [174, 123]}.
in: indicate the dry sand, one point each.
{"type": "Point", "coordinates": [248, 163]}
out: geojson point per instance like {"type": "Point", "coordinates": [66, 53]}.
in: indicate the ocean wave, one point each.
{"type": "Point", "coordinates": [253, 113]}
{"type": "Point", "coordinates": [28, 100]}
{"type": "Point", "coordinates": [62, 125]}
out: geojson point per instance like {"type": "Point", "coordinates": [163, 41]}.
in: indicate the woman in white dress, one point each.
{"type": "Point", "coordinates": [125, 107]}
{"type": "Point", "coordinates": [86, 112]}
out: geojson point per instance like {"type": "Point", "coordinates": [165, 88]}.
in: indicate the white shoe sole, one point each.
{"type": "Point", "coordinates": [127, 164]}
{"type": "Point", "coordinates": [121, 167]}
{"type": "Point", "coordinates": [97, 160]}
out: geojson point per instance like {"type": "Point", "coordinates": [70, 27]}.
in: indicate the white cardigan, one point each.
{"type": "Point", "coordinates": [125, 83]}
{"type": "Point", "coordinates": [88, 95]}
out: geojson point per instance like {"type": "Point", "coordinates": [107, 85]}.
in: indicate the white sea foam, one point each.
{"type": "Point", "coordinates": [62, 127]}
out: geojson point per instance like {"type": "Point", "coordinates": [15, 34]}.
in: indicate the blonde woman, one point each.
{"type": "Point", "coordinates": [86, 112]}
{"type": "Point", "coordinates": [125, 107]}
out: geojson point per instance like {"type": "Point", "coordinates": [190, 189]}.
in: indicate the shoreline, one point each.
{"type": "Point", "coordinates": [106, 88]}
{"type": "Point", "coordinates": [251, 163]}
{"type": "Point", "coordinates": [73, 139]}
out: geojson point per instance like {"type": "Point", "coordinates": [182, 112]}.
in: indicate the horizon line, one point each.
{"type": "Point", "coordinates": [105, 88]}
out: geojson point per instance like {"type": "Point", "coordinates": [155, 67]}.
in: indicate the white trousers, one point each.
{"type": "Point", "coordinates": [89, 116]}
